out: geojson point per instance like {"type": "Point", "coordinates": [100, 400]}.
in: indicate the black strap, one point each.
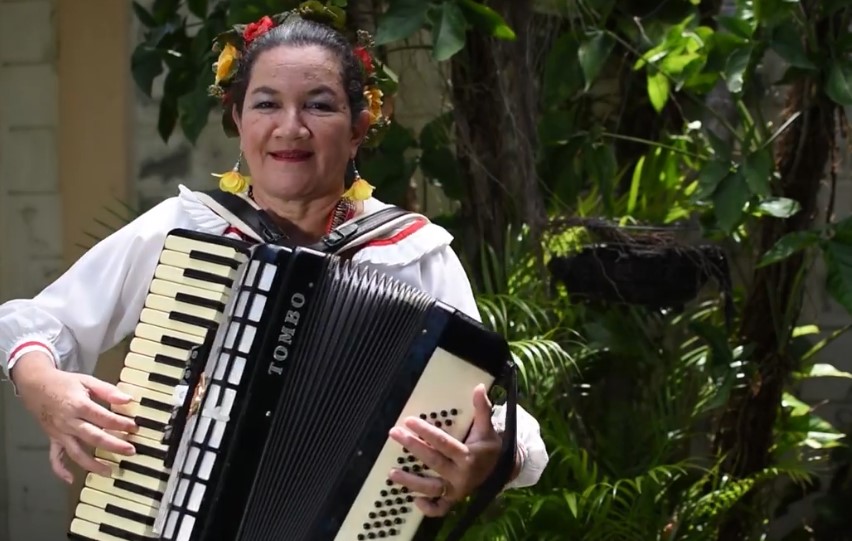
{"type": "Point", "coordinates": [258, 220]}
{"type": "Point", "coordinates": [355, 229]}
{"type": "Point", "coordinates": [261, 223]}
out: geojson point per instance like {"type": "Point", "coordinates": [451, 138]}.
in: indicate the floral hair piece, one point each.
{"type": "Point", "coordinates": [380, 82]}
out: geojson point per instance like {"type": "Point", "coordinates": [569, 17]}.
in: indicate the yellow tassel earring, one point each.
{"type": "Point", "coordinates": [233, 181]}
{"type": "Point", "coordinates": [361, 190]}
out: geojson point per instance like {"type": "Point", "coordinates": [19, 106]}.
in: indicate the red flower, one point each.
{"type": "Point", "coordinates": [257, 29]}
{"type": "Point", "coordinates": [366, 59]}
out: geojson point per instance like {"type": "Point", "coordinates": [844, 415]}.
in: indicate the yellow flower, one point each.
{"type": "Point", "coordinates": [226, 61]}
{"type": "Point", "coordinates": [374, 103]}
{"type": "Point", "coordinates": [233, 182]}
{"type": "Point", "coordinates": [361, 190]}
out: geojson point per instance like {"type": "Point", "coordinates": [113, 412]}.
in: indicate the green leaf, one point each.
{"type": "Point", "coordinates": [593, 54]}
{"type": "Point", "coordinates": [825, 370]}
{"type": "Point", "coordinates": [449, 36]}
{"type": "Point", "coordinates": [788, 245]}
{"type": "Point", "coordinates": [402, 19]}
{"type": "Point", "coordinates": [838, 259]}
{"type": "Point", "coordinates": [735, 68]}
{"type": "Point", "coordinates": [658, 90]}
{"type": "Point", "coordinates": [486, 19]}
{"type": "Point", "coordinates": [839, 84]}
{"type": "Point", "coordinates": [758, 170]}
{"type": "Point", "coordinates": [168, 117]}
{"type": "Point", "coordinates": [561, 79]}
{"type": "Point", "coordinates": [145, 65]}
{"type": "Point", "coordinates": [164, 10]}
{"type": "Point", "coordinates": [729, 201]}
{"type": "Point", "coordinates": [779, 207]}
{"type": "Point", "coordinates": [787, 42]}
{"type": "Point", "coordinates": [711, 175]}
{"type": "Point", "coordinates": [197, 8]}
{"type": "Point", "coordinates": [194, 109]}
{"type": "Point", "coordinates": [144, 17]}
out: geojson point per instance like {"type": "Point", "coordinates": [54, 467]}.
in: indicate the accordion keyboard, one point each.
{"type": "Point", "coordinates": [186, 303]}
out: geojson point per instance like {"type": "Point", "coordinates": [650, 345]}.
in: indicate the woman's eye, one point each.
{"type": "Point", "coordinates": [264, 105]}
{"type": "Point", "coordinates": [320, 106]}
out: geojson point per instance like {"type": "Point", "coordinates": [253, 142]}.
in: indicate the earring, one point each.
{"type": "Point", "coordinates": [233, 181]}
{"type": "Point", "coordinates": [360, 190]}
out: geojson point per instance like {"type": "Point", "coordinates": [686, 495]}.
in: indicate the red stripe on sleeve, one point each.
{"type": "Point", "coordinates": [405, 233]}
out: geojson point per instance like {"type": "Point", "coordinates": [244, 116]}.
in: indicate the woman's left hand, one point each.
{"type": "Point", "coordinates": [459, 467]}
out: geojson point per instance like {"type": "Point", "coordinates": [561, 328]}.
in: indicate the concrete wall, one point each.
{"type": "Point", "coordinates": [32, 503]}
{"type": "Point", "coordinates": [64, 154]}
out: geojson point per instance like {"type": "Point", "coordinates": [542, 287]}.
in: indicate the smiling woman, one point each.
{"type": "Point", "coordinates": [295, 92]}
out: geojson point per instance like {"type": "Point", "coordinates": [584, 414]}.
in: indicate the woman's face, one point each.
{"type": "Point", "coordinates": [296, 129]}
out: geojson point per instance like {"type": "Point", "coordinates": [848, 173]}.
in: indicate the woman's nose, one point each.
{"type": "Point", "coordinates": [290, 126]}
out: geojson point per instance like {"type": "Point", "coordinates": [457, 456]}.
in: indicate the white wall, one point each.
{"type": "Point", "coordinates": [32, 504]}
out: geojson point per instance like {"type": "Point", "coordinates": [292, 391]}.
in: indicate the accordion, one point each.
{"type": "Point", "coordinates": [265, 380]}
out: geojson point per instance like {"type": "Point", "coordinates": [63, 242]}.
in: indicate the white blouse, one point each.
{"type": "Point", "coordinates": [97, 302]}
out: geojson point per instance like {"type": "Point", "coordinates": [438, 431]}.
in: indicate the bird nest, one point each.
{"type": "Point", "coordinates": [648, 266]}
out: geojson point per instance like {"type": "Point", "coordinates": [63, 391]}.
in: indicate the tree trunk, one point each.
{"type": "Point", "coordinates": [496, 106]}
{"type": "Point", "coordinates": [745, 433]}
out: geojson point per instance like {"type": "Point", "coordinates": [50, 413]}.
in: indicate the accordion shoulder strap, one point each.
{"type": "Point", "coordinates": [342, 240]}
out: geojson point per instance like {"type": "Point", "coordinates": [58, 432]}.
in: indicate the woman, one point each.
{"type": "Point", "coordinates": [298, 103]}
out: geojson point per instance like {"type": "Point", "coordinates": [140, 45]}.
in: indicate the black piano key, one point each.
{"type": "Point", "coordinates": [163, 380]}
{"type": "Point", "coordinates": [193, 320]}
{"type": "Point", "coordinates": [200, 301]}
{"type": "Point", "coordinates": [208, 277]}
{"type": "Point", "coordinates": [145, 450]}
{"type": "Point", "coordinates": [123, 534]}
{"type": "Point", "coordinates": [199, 255]}
{"type": "Point", "coordinates": [178, 343]}
{"type": "Point", "coordinates": [147, 472]}
{"type": "Point", "coordinates": [113, 509]}
{"type": "Point", "coordinates": [155, 495]}
{"type": "Point", "coordinates": [155, 404]}
{"type": "Point", "coordinates": [148, 423]}
{"type": "Point", "coordinates": [169, 361]}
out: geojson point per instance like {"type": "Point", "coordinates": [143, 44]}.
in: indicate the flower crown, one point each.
{"type": "Point", "coordinates": [379, 81]}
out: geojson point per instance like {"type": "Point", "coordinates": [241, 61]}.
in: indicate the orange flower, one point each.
{"type": "Point", "coordinates": [226, 63]}
{"type": "Point", "coordinates": [374, 103]}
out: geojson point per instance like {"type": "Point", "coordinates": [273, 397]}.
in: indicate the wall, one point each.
{"type": "Point", "coordinates": [31, 249]}
{"type": "Point", "coordinates": [63, 156]}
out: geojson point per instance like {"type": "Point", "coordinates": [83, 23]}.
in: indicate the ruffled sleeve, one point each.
{"type": "Point", "coordinates": [95, 303]}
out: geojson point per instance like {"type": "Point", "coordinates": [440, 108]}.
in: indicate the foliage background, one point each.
{"type": "Point", "coordinates": [577, 130]}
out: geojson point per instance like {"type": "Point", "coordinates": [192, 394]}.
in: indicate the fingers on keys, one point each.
{"type": "Point", "coordinates": [104, 418]}
{"type": "Point", "coordinates": [79, 455]}
{"type": "Point", "coordinates": [101, 439]}
{"type": "Point", "coordinates": [105, 391]}
{"type": "Point", "coordinates": [449, 448]}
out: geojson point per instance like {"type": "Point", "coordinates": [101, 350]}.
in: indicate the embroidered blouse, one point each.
{"type": "Point", "coordinates": [96, 303]}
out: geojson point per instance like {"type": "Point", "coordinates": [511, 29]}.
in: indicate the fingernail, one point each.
{"type": "Point", "coordinates": [124, 396]}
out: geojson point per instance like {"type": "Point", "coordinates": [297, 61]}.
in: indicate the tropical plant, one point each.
{"type": "Point", "coordinates": [578, 132]}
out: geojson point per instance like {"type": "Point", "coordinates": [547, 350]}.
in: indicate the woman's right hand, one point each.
{"type": "Point", "coordinates": [63, 404]}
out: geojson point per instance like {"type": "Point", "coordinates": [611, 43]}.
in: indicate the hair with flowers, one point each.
{"type": "Point", "coordinates": [380, 82]}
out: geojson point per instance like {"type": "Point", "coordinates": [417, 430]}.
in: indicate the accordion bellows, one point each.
{"type": "Point", "coordinates": [265, 382]}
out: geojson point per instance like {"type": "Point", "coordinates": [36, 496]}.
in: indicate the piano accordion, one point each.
{"type": "Point", "coordinates": [265, 380]}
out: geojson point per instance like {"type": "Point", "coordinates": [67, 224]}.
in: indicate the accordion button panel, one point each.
{"type": "Point", "coordinates": [443, 397]}
{"type": "Point", "coordinates": [186, 303]}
